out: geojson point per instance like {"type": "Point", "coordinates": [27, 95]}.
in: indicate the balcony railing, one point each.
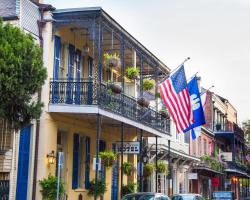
{"type": "Point", "coordinates": [82, 93]}
{"type": "Point", "coordinates": [4, 189]}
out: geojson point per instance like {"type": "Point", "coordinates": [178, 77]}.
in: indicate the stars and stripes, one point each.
{"type": "Point", "coordinates": [175, 95]}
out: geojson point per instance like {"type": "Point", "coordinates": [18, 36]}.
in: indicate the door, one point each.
{"type": "Point", "coordinates": [90, 81]}
{"type": "Point", "coordinates": [78, 77]}
{"type": "Point", "coordinates": [115, 175]}
{"type": "Point", "coordinates": [23, 164]}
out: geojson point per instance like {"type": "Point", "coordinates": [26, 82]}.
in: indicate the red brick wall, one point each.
{"type": "Point", "coordinates": [208, 109]}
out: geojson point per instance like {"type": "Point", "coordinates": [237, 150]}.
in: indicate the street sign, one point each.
{"type": "Point", "coordinates": [192, 176]}
{"type": "Point", "coordinates": [227, 156]}
{"type": "Point", "coordinates": [99, 164]}
{"type": "Point", "coordinates": [128, 147]}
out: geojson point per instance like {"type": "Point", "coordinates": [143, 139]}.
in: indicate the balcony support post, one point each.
{"type": "Point", "coordinates": [98, 133]}
{"type": "Point", "coordinates": [122, 146]}
{"type": "Point", "coordinates": [156, 163]}
{"type": "Point", "coordinates": [100, 44]}
{"type": "Point", "coordinates": [140, 162]}
{"type": "Point", "coordinates": [141, 75]}
{"type": "Point", "coordinates": [122, 56]}
{"type": "Point", "coordinates": [169, 168]}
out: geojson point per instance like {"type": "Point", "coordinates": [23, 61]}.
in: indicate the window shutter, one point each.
{"type": "Point", "coordinates": [71, 60]}
{"type": "Point", "coordinates": [75, 161]}
{"type": "Point", "coordinates": [102, 147]}
{"type": "Point", "coordinates": [87, 166]}
{"type": "Point", "coordinates": [57, 48]}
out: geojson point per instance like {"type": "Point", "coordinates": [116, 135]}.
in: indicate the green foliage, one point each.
{"type": "Point", "coordinates": [157, 95]}
{"type": "Point", "coordinates": [132, 73]}
{"type": "Point", "coordinates": [49, 188]}
{"type": "Point", "coordinates": [100, 188]}
{"type": "Point", "coordinates": [206, 158]}
{"type": "Point", "coordinates": [128, 189]}
{"type": "Point", "coordinates": [108, 158]}
{"type": "Point", "coordinates": [148, 169]}
{"type": "Point", "coordinates": [162, 167]}
{"type": "Point", "coordinates": [128, 168]}
{"type": "Point", "coordinates": [21, 75]}
{"type": "Point", "coordinates": [148, 84]}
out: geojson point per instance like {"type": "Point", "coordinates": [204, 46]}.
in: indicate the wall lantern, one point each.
{"type": "Point", "coordinates": [51, 157]}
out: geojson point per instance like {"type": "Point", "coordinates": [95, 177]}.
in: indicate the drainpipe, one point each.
{"type": "Point", "coordinates": [40, 23]}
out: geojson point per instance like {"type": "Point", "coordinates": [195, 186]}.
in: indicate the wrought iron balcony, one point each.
{"type": "Point", "coordinates": [82, 92]}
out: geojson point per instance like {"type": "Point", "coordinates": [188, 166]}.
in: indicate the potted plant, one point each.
{"type": "Point", "coordinates": [49, 188]}
{"type": "Point", "coordinates": [161, 167]}
{"type": "Point", "coordinates": [100, 187]}
{"type": "Point", "coordinates": [108, 158]}
{"type": "Point", "coordinates": [148, 169]}
{"type": "Point", "coordinates": [117, 89]}
{"type": "Point", "coordinates": [164, 113]}
{"type": "Point", "coordinates": [132, 73]}
{"type": "Point", "coordinates": [111, 60]}
{"type": "Point", "coordinates": [143, 102]}
{"type": "Point", "coordinates": [148, 84]}
{"type": "Point", "coordinates": [129, 188]}
{"type": "Point", "coordinates": [128, 168]}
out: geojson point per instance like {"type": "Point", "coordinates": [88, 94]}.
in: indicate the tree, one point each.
{"type": "Point", "coordinates": [246, 128]}
{"type": "Point", "coordinates": [22, 74]}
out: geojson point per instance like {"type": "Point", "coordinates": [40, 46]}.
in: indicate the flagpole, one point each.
{"type": "Point", "coordinates": [207, 90]}
{"type": "Point", "coordinates": [188, 58]}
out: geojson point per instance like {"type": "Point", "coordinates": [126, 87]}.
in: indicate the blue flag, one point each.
{"type": "Point", "coordinates": [199, 117]}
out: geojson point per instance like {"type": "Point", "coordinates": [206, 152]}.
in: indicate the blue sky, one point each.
{"type": "Point", "coordinates": [214, 33]}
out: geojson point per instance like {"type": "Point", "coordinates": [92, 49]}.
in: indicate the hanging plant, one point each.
{"type": "Point", "coordinates": [157, 95]}
{"type": "Point", "coordinates": [162, 167]}
{"type": "Point", "coordinates": [164, 113]}
{"type": "Point", "coordinates": [117, 89]}
{"type": "Point", "coordinates": [128, 168]}
{"type": "Point", "coordinates": [143, 102]}
{"type": "Point", "coordinates": [108, 158]}
{"type": "Point", "coordinates": [111, 60]}
{"type": "Point", "coordinates": [132, 73]}
{"type": "Point", "coordinates": [100, 187]}
{"type": "Point", "coordinates": [148, 84]}
{"type": "Point", "coordinates": [148, 169]}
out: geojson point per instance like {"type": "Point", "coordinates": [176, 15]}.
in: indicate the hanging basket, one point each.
{"type": "Point", "coordinates": [111, 60]}
{"type": "Point", "coordinates": [117, 89]}
{"type": "Point", "coordinates": [107, 158]}
{"type": "Point", "coordinates": [143, 102]}
{"type": "Point", "coordinates": [164, 113]}
{"type": "Point", "coordinates": [148, 169]}
{"type": "Point", "coordinates": [132, 73]}
{"type": "Point", "coordinates": [148, 84]}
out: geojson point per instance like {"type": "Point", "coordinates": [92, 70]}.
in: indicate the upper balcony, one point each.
{"type": "Point", "coordinates": [91, 53]}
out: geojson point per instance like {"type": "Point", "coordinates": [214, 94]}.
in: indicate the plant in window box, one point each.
{"type": "Point", "coordinates": [108, 158]}
{"type": "Point", "coordinates": [132, 73]}
{"type": "Point", "coordinates": [148, 169]}
{"type": "Point", "coordinates": [218, 127]}
{"type": "Point", "coordinates": [128, 168]}
{"type": "Point", "coordinates": [100, 187]}
{"type": "Point", "coordinates": [129, 188]}
{"type": "Point", "coordinates": [161, 167]}
{"type": "Point", "coordinates": [49, 188]}
{"type": "Point", "coordinates": [148, 84]}
{"type": "Point", "coordinates": [111, 60]}
{"type": "Point", "coordinates": [164, 113]}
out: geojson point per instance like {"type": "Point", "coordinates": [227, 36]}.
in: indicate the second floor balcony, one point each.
{"type": "Point", "coordinates": [82, 95]}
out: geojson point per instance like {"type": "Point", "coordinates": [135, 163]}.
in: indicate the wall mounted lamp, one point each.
{"type": "Point", "coordinates": [51, 157]}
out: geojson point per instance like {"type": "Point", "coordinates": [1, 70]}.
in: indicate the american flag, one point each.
{"type": "Point", "coordinates": [175, 95]}
{"type": "Point", "coordinates": [248, 158]}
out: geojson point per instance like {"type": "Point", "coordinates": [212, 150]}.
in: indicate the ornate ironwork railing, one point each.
{"type": "Point", "coordinates": [81, 93]}
{"type": "Point", "coordinates": [4, 189]}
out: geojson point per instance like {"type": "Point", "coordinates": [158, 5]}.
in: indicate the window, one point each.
{"type": "Point", "coordinates": [194, 147]}
{"type": "Point", "coordinates": [199, 146]}
{"type": "Point", "coordinates": [205, 146]}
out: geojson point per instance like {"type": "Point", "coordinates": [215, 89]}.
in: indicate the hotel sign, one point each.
{"type": "Point", "coordinates": [128, 147]}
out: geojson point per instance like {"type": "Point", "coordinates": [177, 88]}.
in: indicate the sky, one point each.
{"type": "Point", "coordinates": [215, 34]}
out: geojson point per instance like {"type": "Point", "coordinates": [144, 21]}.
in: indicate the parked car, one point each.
{"type": "Point", "coordinates": [225, 195]}
{"type": "Point", "coordinates": [187, 197]}
{"type": "Point", "coordinates": [145, 196]}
